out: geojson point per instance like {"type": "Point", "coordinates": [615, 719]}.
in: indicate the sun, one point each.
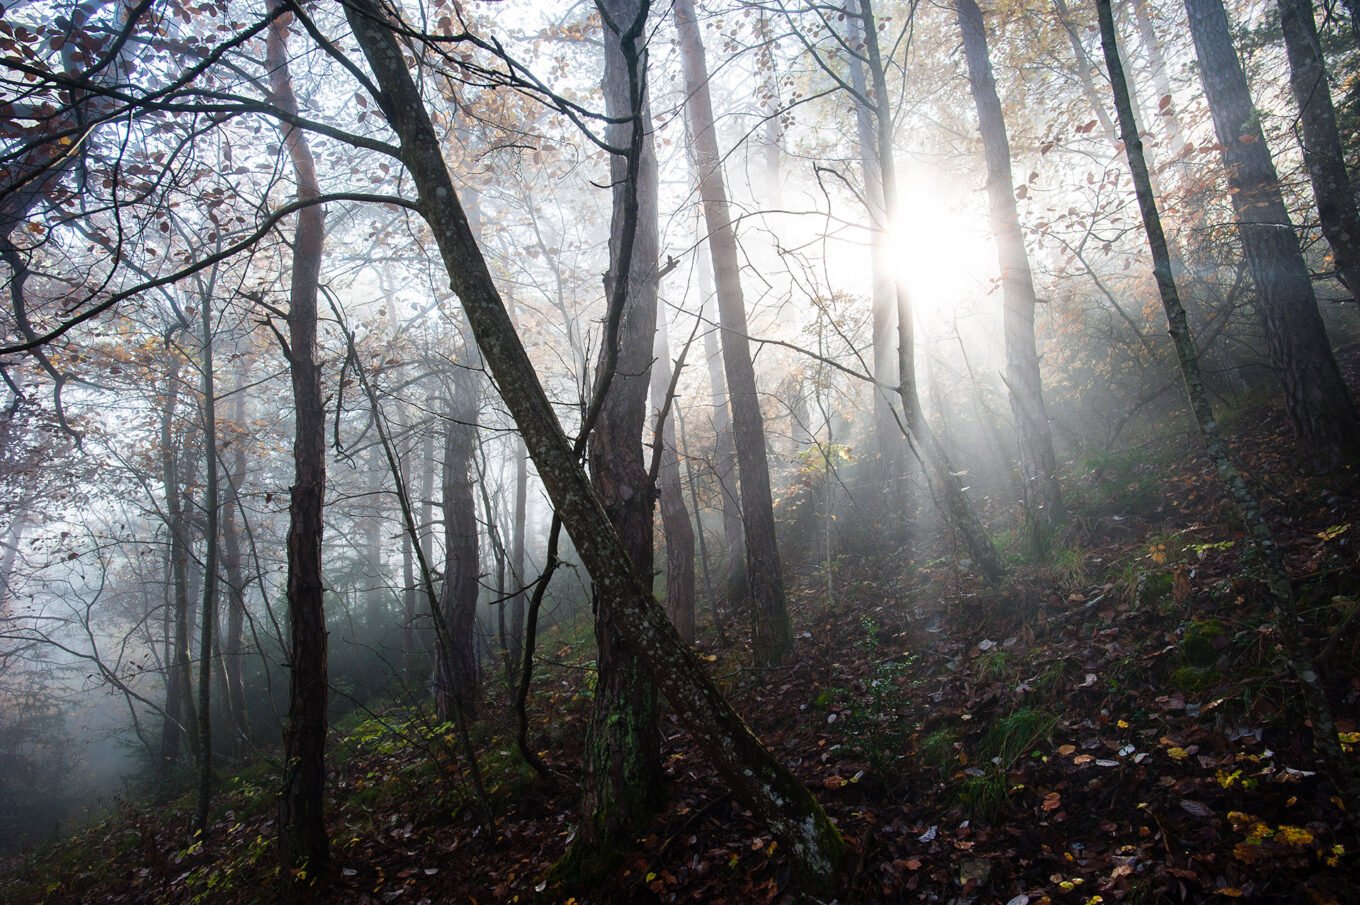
{"type": "Point", "coordinates": [941, 248]}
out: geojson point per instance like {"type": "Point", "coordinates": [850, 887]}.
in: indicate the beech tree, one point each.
{"type": "Point", "coordinates": [622, 786]}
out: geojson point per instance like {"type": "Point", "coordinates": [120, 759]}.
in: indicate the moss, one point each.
{"type": "Point", "coordinates": [1193, 679]}
{"type": "Point", "coordinates": [1200, 642]}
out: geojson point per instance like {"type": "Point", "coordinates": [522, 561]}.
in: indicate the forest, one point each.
{"type": "Point", "coordinates": [724, 451]}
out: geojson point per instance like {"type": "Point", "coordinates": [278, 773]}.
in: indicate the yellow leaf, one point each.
{"type": "Point", "coordinates": [1177, 753]}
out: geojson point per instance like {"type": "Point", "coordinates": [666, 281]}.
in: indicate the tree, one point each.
{"type": "Point", "coordinates": [771, 631]}
{"type": "Point", "coordinates": [455, 684]}
{"type": "Point", "coordinates": [304, 849]}
{"type": "Point", "coordinates": [940, 474]}
{"type": "Point", "coordinates": [1043, 497]}
{"type": "Point", "coordinates": [622, 787]}
{"type": "Point", "coordinates": [670, 492]}
{"type": "Point", "coordinates": [1322, 151]}
{"type": "Point", "coordinates": [756, 778]}
{"type": "Point", "coordinates": [1315, 397]}
{"type": "Point", "coordinates": [1325, 740]}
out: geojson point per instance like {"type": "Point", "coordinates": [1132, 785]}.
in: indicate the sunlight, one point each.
{"type": "Point", "coordinates": [940, 246]}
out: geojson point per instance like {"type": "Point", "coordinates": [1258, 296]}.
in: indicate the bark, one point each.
{"type": "Point", "coordinates": [1316, 398]}
{"type": "Point", "coordinates": [208, 619]}
{"type": "Point", "coordinates": [724, 451]}
{"type": "Point", "coordinates": [515, 641]}
{"type": "Point", "coordinates": [456, 664]}
{"type": "Point", "coordinates": [304, 849]}
{"type": "Point", "coordinates": [771, 631]}
{"type": "Point", "coordinates": [233, 647]}
{"type": "Point", "coordinates": [1321, 140]}
{"type": "Point", "coordinates": [179, 727]}
{"type": "Point", "coordinates": [774, 795]}
{"type": "Point", "coordinates": [1043, 497]}
{"type": "Point", "coordinates": [674, 515]}
{"type": "Point", "coordinates": [1342, 771]}
{"type": "Point", "coordinates": [623, 781]}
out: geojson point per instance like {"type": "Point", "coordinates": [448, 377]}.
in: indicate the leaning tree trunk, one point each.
{"type": "Point", "coordinates": [1322, 150]}
{"type": "Point", "coordinates": [1043, 498]}
{"type": "Point", "coordinates": [757, 779]}
{"type": "Point", "coordinates": [771, 631]}
{"type": "Point", "coordinates": [623, 781]}
{"type": "Point", "coordinates": [1325, 740]}
{"type": "Point", "coordinates": [304, 850]}
{"type": "Point", "coordinates": [1316, 398]}
{"type": "Point", "coordinates": [674, 515]}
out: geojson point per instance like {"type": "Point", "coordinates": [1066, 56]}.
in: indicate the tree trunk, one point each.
{"type": "Point", "coordinates": [1321, 141]}
{"type": "Point", "coordinates": [757, 779]}
{"type": "Point", "coordinates": [233, 647]}
{"type": "Point", "coordinates": [179, 728]}
{"type": "Point", "coordinates": [623, 781]}
{"type": "Point", "coordinates": [375, 592]}
{"type": "Point", "coordinates": [1318, 403]}
{"type": "Point", "coordinates": [940, 474]}
{"type": "Point", "coordinates": [515, 639]}
{"type": "Point", "coordinates": [724, 451]}
{"type": "Point", "coordinates": [1043, 498]}
{"type": "Point", "coordinates": [675, 521]}
{"type": "Point", "coordinates": [1083, 72]}
{"type": "Point", "coordinates": [455, 683]}
{"type": "Point", "coordinates": [771, 632]}
{"type": "Point", "coordinates": [1161, 81]}
{"type": "Point", "coordinates": [304, 849]}
{"type": "Point", "coordinates": [892, 466]}
{"type": "Point", "coordinates": [1325, 740]}
{"type": "Point", "coordinates": [208, 618]}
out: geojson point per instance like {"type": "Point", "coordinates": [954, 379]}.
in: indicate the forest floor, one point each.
{"type": "Point", "coordinates": [1111, 725]}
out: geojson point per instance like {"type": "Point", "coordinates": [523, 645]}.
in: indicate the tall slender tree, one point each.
{"type": "Point", "coordinates": [776, 798]}
{"type": "Point", "coordinates": [623, 782]}
{"type": "Point", "coordinates": [455, 682]}
{"type": "Point", "coordinates": [679, 532]}
{"type": "Point", "coordinates": [1325, 740]}
{"type": "Point", "coordinates": [771, 631]}
{"type": "Point", "coordinates": [1038, 464]}
{"type": "Point", "coordinates": [1316, 398]}
{"type": "Point", "coordinates": [304, 848]}
{"type": "Point", "coordinates": [1322, 151]}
